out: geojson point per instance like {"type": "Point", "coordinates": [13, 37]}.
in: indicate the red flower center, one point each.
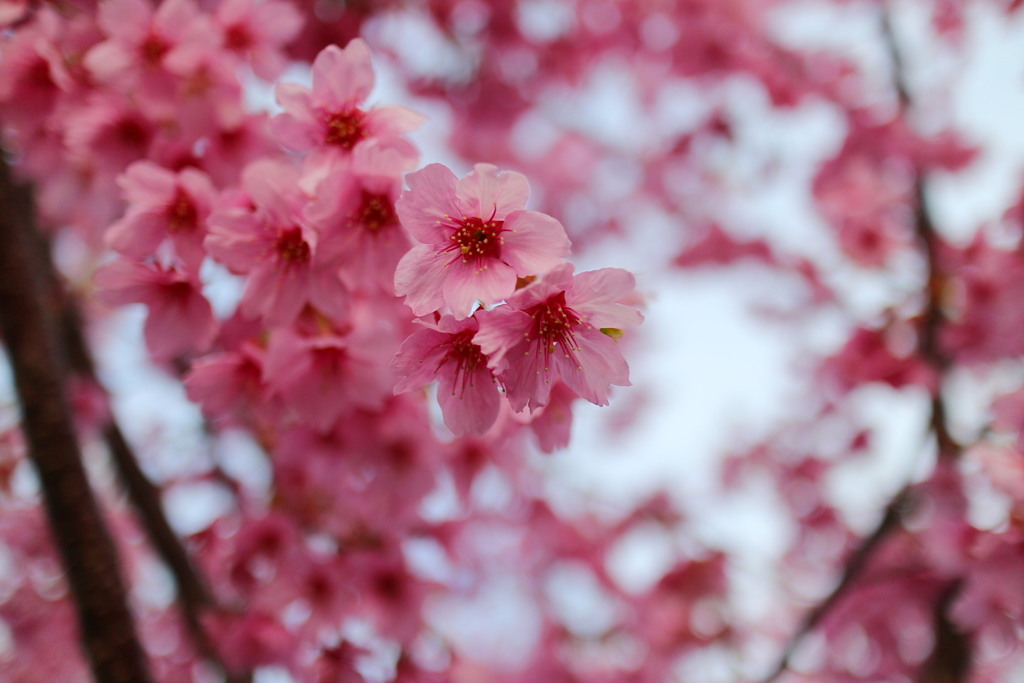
{"type": "Point", "coordinates": [468, 359]}
{"type": "Point", "coordinates": [181, 214]}
{"type": "Point", "coordinates": [554, 325]}
{"type": "Point", "coordinates": [346, 128]}
{"type": "Point", "coordinates": [292, 247]}
{"type": "Point", "coordinates": [153, 49]}
{"type": "Point", "coordinates": [476, 238]}
{"type": "Point", "coordinates": [376, 211]}
{"type": "Point", "coordinates": [237, 38]}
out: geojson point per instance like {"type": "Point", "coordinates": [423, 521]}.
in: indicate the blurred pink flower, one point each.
{"type": "Point", "coordinates": [180, 318]}
{"type": "Point", "coordinates": [162, 204]}
{"type": "Point", "coordinates": [329, 121]}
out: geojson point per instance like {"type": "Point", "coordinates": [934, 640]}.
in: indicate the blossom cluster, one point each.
{"type": "Point", "coordinates": [509, 314]}
{"type": "Point", "coordinates": [351, 294]}
{"type": "Point", "coordinates": [294, 285]}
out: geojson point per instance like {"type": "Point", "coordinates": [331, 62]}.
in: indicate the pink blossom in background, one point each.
{"type": "Point", "coordinates": [355, 474]}
{"type": "Point", "coordinates": [259, 31]}
{"type": "Point", "coordinates": [269, 241]}
{"type": "Point", "coordinates": [475, 238]}
{"type": "Point", "coordinates": [354, 213]}
{"type": "Point", "coordinates": [321, 376]}
{"type": "Point", "coordinates": [226, 382]}
{"type": "Point", "coordinates": [139, 41]}
{"type": "Point", "coordinates": [163, 205]}
{"type": "Point", "coordinates": [329, 120]}
{"type": "Point", "coordinates": [180, 318]}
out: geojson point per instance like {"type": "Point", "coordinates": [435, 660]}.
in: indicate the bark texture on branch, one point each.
{"type": "Point", "coordinates": [29, 328]}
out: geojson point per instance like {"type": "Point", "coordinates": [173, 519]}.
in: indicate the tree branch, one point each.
{"type": "Point", "coordinates": [82, 538]}
{"type": "Point", "coordinates": [930, 350]}
{"type": "Point", "coordinates": [193, 594]}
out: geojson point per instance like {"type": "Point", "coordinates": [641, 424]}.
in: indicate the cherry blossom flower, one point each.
{"type": "Point", "coordinates": [34, 73]}
{"type": "Point", "coordinates": [162, 204]}
{"type": "Point", "coordinates": [555, 328]}
{"type": "Point", "coordinates": [140, 38]}
{"type": "Point", "coordinates": [475, 239]}
{"type": "Point", "coordinates": [259, 30]}
{"type": "Point", "coordinates": [329, 119]}
{"type": "Point", "coordinates": [468, 391]}
{"type": "Point", "coordinates": [108, 134]}
{"type": "Point", "coordinates": [322, 376]}
{"type": "Point", "coordinates": [263, 236]}
{"type": "Point", "coordinates": [180, 318]}
{"type": "Point", "coordinates": [354, 210]}
{"type": "Point", "coordinates": [226, 382]}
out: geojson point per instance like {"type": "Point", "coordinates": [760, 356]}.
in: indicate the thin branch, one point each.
{"type": "Point", "coordinates": [852, 570]}
{"type": "Point", "coordinates": [929, 349]}
{"type": "Point", "coordinates": [950, 660]}
{"type": "Point", "coordinates": [193, 594]}
{"type": "Point", "coordinates": [83, 540]}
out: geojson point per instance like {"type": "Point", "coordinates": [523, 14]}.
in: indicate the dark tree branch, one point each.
{"type": "Point", "coordinates": [948, 639]}
{"type": "Point", "coordinates": [29, 327]}
{"type": "Point", "coordinates": [852, 570]}
{"type": "Point", "coordinates": [193, 594]}
{"type": "Point", "coordinates": [950, 660]}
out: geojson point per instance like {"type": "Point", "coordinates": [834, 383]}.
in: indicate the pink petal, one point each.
{"type": "Point", "coordinates": [124, 282]}
{"type": "Point", "coordinates": [109, 60]}
{"type": "Point", "coordinates": [393, 120]}
{"type": "Point", "coordinates": [485, 192]}
{"type": "Point", "coordinates": [416, 362]}
{"type": "Point", "coordinates": [526, 378]}
{"type": "Point", "coordinates": [343, 77]}
{"type": "Point", "coordinates": [533, 242]}
{"type": "Point", "coordinates": [466, 283]}
{"type": "Point", "coordinates": [137, 234]}
{"type": "Point", "coordinates": [473, 411]}
{"type": "Point", "coordinates": [553, 425]}
{"type": "Point", "coordinates": [419, 277]}
{"type": "Point", "coordinates": [600, 364]}
{"type": "Point", "coordinates": [129, 20]}
{"type": "Point", "coordinates": [501, 329]}
{"type": "Point", "coordinates": [277, 296]}
{"type": "Point", "coordinates": [597, 293]}
{"type": "Point", "coordinates": [297, 127]}
{"type": "Point", "coordinates": [557, 279]}
{"type": "Point", "coordinates": [179, 323]}
{"type": "Point", "coordinates": [147, 183]}
{"type": "Point", "coordinates": [236, 239]}
{"type": "Point", "coordinates": [429, 202]}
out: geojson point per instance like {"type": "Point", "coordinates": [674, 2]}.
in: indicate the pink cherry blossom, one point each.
{"type": "Point", "coordinates": [468, 391]}
{"type": "Point", "coordinates": [553, 328]}
{"type": "Point", "coordinates": [322, 376]}
{"type": "Point", "coordinates": [34, 74]}
{"type": "Point", "coordinates": [354, 210]}
{"type": "Point", "coordinates": [140, 39]}
{"type": "Point", "coordinates": [226, 382]}
{"type": "Point", "coordinates": [180, 318]}
{"type": "Point", "coordinates": [163, 204]}
{"type": "Point", "coordinates": [259, 30]}
{"type": "Point", "coordinates": [108, 133]}
{"type": "Point", "coordinates": [553, 424]}
{"type": "Point", "coordinates": [475, 239]}
{"type": "Point", "coordinates": [263, 236]}
{"type": "Point", "coordinates": [329, 119]}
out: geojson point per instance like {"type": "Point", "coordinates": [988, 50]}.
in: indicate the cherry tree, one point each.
{"type": "Point", "coordinates": [349, 239]}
